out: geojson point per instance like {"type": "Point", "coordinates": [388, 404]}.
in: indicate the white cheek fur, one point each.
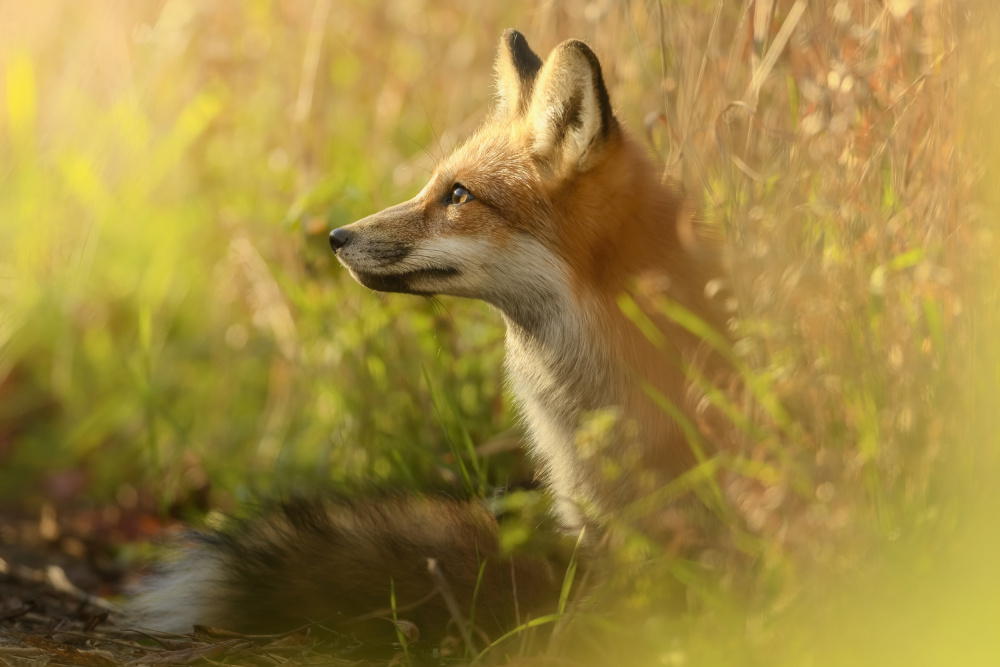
{"type": "Point", "coordinates": [502, 275]}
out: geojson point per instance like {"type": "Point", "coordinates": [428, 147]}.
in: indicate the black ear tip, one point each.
{"type": "Point", "coordinates": [514, 40]}
{"type": "Point", "coordinates": [525, 60]}
{"type": "Point", "coordinates": [584, 50]}
{"type": "Point", "coordinates": [511, 35]}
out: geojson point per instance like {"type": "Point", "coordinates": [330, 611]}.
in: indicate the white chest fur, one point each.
{"type": "Point", "coordinates": [559, 377]}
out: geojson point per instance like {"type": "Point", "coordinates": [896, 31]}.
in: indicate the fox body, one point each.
{"type": "Point", "coordinates": [550, 213]}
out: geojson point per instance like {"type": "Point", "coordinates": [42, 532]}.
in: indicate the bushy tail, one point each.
{"type": "Point", "coordinates": [335, 562]}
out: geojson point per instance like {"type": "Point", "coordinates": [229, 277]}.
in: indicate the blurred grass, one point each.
{"type": "Point", "coordinates": [171, 318]}
{"type": "Point", "coordinates": [171, 305]}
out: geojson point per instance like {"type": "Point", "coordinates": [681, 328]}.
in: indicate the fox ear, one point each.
{"type": "Point", "coordinates": [570, 109]}
{"type": "Point", "coordinates": [516, 68]}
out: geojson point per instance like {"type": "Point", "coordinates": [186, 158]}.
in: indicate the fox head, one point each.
{"type": "Point", "coordinates": [509, 217]}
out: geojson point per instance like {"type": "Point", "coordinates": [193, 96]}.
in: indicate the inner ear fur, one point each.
{"type": "Point", "coordinates": [570, 111]}
{"type": "Point", "coordinates": [516, 69]}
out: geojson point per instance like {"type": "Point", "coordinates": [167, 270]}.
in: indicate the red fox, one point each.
{"type": "Point", "coordinates": [550, 213]}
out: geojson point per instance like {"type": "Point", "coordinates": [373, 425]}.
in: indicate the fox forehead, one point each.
{"type": "Point", "coordinates": [496, 167]}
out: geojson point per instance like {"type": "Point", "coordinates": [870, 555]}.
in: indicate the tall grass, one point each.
{"type": "Point", "coordinates": [171, 318]}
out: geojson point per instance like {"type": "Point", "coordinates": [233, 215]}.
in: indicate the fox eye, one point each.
{"type": "Point", "coordinates": [459, 195]}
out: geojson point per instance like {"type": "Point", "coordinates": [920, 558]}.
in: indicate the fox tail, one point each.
{"type": "Point", "coordinates": [349, 565]}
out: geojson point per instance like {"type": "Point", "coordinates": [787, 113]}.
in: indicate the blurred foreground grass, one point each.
{"type": "Point", "coordinates": [171, 318]}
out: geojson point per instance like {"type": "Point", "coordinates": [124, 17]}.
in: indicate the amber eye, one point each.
{"type": "Point", "coordinates": [459, 195]}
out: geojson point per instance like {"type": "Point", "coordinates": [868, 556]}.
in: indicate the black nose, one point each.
{"type": "Point", "coordinates": [339, 238]}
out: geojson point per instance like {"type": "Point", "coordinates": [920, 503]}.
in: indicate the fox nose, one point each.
{"type": "Point", "coordinates": [339, 238]}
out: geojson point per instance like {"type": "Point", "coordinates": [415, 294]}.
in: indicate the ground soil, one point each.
{"type": "Point", "coordinates": [61, 603]}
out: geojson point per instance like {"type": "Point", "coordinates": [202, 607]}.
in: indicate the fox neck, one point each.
{"type": "Point", "coordinates": [583, 372]}
{"type": "Point", "coordinates": [559, 373]}
{"type": "Point", "coordinates": [601, 442]}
